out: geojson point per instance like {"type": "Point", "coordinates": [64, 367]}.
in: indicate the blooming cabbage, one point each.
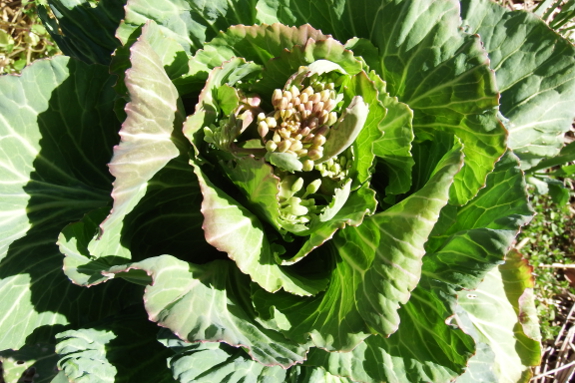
{"type": "Point", "coordinates": [300, 192]}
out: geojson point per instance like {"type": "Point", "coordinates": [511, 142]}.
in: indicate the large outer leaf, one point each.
{"type": "Point", "coordinates": [146, 146]}
{"type": "Point", "coordinates": [218, 362]}
{"type": "Point", "coordinates": [82, 31]}
{"type": "Point", "coordinates": [500, 314]}
{"type": "Point", "coordinates": [57, 130]}
{"type": "Point", "coordinates": [429, 344]}
{"type": "Point", "coordinates": [167, 220]}
{"type": "Point", "coordinates": [534, 72]}
{"type": "Point", "coordinates": [211, 303]}
{"type": "Point", "coordinates": [441, 73]}
{"type": "Point", "coordinates": [377, 266]}
{"type": "Point", "coordinates": [38, 360]}
{"type": "Point", "coordinates": [189, 22]}
{"type": "Point", "coordinates": [121, 349]}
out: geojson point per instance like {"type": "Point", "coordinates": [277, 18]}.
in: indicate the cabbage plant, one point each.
{"type": "Point", "coordinates": [276, 191]}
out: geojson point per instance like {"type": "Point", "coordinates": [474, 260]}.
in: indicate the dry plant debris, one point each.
{"type": "Point", "coordinates": [23, 38]}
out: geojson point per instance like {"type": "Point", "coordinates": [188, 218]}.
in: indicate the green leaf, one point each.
{"type": "Point", "coordinates": [478, 240]}
{"type": "Point", "coordinates": [211, 303]}
{"type": "Point", "coordinates": [441, 73]}
{"type": "Point", "coordinates": [329, 319]}
{"type": "Point", "coordinates": [37, 361]}
{"type": "Point", "coordinates": [393, 243]}
{"type": "Point", "coordinates": [189, 22]}
{"type": "Point", "coordinates": [216, 362]}
{"type": "Point", "coordinates": [147, 143]}
{"type": "Point", "coordinates": [258, 43]}
{"type": "Point", "coordinates": [233, 229]}
{"type": "Point", "coordinates": [57, 135]}
{"type": "Point", "coordinates": [260, 186]}
{"type": "Point", "coordinates": [423, 349]}
{"type": "Point", "coordinates": [394, 148]}
{"type": "Point", "coordinates": [533, 67]}
{"type": "Point", "coordinates": [346, 130]}
{"type": "Point", "coordinates": [567, 154]}
{"type": "Point", "coordinates": [208, 110]}
{"type": "Point", "coordinates": [171, 54]}
{"type": "Point", "coordinates": [82, 31]}
{"type": "Point", "coordinates": [501, 314]}
{"type": "Point", "coordinates": [285, 161]}
{"type": "Point", "coordinates": [122, 348]}
{"type": "Point", "coordinates": [359, 300]}
{"type": "Point", "coordinates": [501, 206]}
{"type": "Point", "coordinates": [167, 220]}
{"type": "Point", "coordinates": [360, 203]}
{"type": "Point", "coordinates": [82, 355]}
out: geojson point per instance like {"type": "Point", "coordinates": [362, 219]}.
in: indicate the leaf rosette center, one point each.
{"type": "Point", "coordinates": [305, 137]}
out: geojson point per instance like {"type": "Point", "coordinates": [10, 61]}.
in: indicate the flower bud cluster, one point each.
{"type": "Point", "coordinates": [336, 168]}
{"type": "Point", "coordinates": [296, 205]}
{"type": "Point", "coordinates": [300, 121]}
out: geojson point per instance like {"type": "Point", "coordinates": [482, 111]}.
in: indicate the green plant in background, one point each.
{"type": "Point", "coordinates": [559, 14]}
{"type": "Point", "coordinates": [23, 38]}
{"type": "Point", "coordinates": [287, 205]}
{"type": "Point", "coordinates": [548, 244]}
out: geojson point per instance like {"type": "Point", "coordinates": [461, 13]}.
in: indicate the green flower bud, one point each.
{"type": "Point", "coordinates": [297, 185]}
{"type": "Point", "coordinates": [313, 187]}
{"type": "Point", "coordinates": [295, 207]}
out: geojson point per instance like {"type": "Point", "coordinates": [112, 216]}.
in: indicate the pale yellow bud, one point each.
{"type": "Point", "coordinates": [276, 97]}
{"type": "Point", "coordinates": [301, 153]}
{"type": "Point", "coordinates": [319, 140]}
{"type": "Point", "coordinates": [263, 129]}
{"type": "Point", "coordinates": [318, 107]}
{"type": "Point", "coordinates": [330, 104]}
{"type": "Point", "coordinates": [296, 145]}
{"type": "Point", "coordinates": [315, 154]}
{"type": "Point", "coordinates": [272, 123]}
{"type": "Point", "coordinates": [309, 91]}
{"type": "Point", "coordinates": [271, 146]}
{"type": "Point", "coordinates": [332, 118]}
{"type": "Point", "coordinates": [308, 165]}
{"type": "Point", "coordinates": [284, 146]}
